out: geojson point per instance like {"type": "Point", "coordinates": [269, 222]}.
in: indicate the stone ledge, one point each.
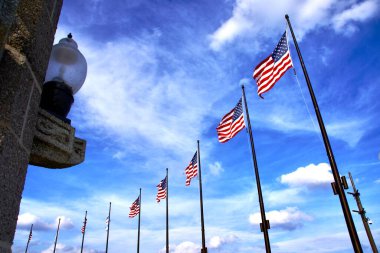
{"type": "Point", "coordinates": [55, 145]}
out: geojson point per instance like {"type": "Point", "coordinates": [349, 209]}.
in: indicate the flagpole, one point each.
{"type": "Point", "coordinates": [167, 211]}
{"type": "Point", "coordinates": [337, 185]}
{"type": "Point", "coordinates": [84, 231]}
{"type": "Point", "coordinates": [108, 226]}
{"type": "Point", "coordinates": [56, 236]}
{"type": "Point", "coordinates": [204, 249]}
{"type": "Point", "coordinates": [264, 225]}
{"type": "Point", "coordinates": [30, 235]}
{"type": "Point", "coordinates": [138, 231]}
{"type": "Point", "coordinates": [362, 213]}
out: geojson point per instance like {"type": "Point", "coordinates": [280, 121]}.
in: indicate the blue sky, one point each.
{"type": "Point", "coordinates": [161, 75]}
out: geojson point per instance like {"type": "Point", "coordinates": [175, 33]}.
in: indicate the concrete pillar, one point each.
{"type": "Point", "coordinates": [24, 60]}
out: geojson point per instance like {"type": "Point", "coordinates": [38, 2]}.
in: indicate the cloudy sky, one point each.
{"type": "Point", "coordinates": [161, 75]}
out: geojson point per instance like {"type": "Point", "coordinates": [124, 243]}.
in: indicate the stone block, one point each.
{"type": "Point", "coordinates": [13, 167]}
{"type": "Point", "coordinates": [16, 83]}
{"type": "Point", "coordinates": [7, 15]}
{"type": "Point", "coordinates": [29, 127]}
{"type": "Point", "coordinates": [54, 8]}
{"type": "Point", "coordinates": [33, 34]}
{"type": "Point", "coordinates": [55, 145]}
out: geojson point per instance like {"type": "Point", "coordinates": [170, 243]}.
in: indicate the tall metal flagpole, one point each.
{"type": "Point", "coordinates": [167, 211]}
{"type": "Point", "coordinates": [337, 184]}
{"type": "Point", "coordinates": [56, 236]}
{"type": "Point", "coordinates": [264, 225]}
{"type": "Point", "coordinates": [29, 238]}
{"type": "Point", "coordinates": [362, 213]}
{"type": "Point", "coordinates": [84, 231]}
{"type": "Point", "coordinates": [204, 249]}
{"type": "Point", "coordinates": [108, 227]}
{"type": "Point", "coordinates": [138, 232]}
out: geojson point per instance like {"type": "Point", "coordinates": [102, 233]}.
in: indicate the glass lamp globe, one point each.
{"type": "Point", "coordinates": [65, 75]}
{"type": "Point", "coordinates": [67, 64]}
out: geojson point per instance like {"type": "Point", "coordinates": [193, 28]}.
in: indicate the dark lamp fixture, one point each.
{"type": "Point", "coordinates": [65, 75]}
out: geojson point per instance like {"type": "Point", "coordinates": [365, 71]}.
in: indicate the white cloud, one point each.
{"type": "Point", "coordinates": [185, 247]}
{"type": "Point", "coordinates": [119, 155]}
{"type": "Point", "coordinates": [311, 175]}
{"type": "Point", "coordinates": [288, 219]}
{"type": "Point", "coordinates": [25, 220]}
{"type": "Point", "coordinates": [287, 117]}
{"type": "Point", "coordinates": [142, 110]}
{"type": "Point", "coordinates": [60, 247]}
{"type": "Point", "coordinates": [216, 168]}
{"type": "Point", "coordinates": [216, 242]}
{"type": "Point", "coordinates": [66, 223]}
{"type": "Point", "coordinates": [286, 196]}
{"type": "Point", "coordinates": [377, 181]}
{"type": "Point", "coordinates": [344, 21]}
{"type": "Point", "coordinates": [251, 18]}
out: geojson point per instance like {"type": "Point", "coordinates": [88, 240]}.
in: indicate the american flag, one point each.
{"type": "Point", "coordinates": [270, 70]}
{"type": "Point", "coordinates": [231, 123]}
{"type": "Point", "coordinates": [30, 236]}
{"type": "Point", "coordinates": [162, 186]}
{"type": "Point", "coordinates": [135, 208]}
{"type": "Point", "coordinates": [84, 225]}
{"type": "Point", "coordinates": [192, 169]}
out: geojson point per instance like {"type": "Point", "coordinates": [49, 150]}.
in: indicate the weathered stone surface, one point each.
{"type": "Point", "coordinates": [13, 167]}
{"type": "Point", "coordinates": [54, 144]}
{"type": "Point", "coordinates": [32, 34]}
{"type": "Point", "coordinates": [7, 14]}
{"type": "Point", "coordinates": [16, 83]}
{"type": "Point", "coordinates": [54, 8]}
{"type": "Point", "coordinates": [5, 247]}
{"type": "Point", "coordinates": [28, 33]}
{"type": "Point", "coordinates": [29, 128]}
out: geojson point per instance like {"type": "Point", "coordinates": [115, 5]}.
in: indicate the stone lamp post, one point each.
{"type": "Point", "coordinates": [54, 144]}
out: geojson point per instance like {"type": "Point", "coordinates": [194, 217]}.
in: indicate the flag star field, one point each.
{"type": "Point", "coordinates": [164, 74]}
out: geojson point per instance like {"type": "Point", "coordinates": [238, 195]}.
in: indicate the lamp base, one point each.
{"type": "Point", "coordinates": [57, 98]}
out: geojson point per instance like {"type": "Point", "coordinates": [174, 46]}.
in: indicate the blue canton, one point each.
{"type": "Point", "coordinates": [194, 160]}
{"type": "Point", "coordinates": [281, 48]}
{"type": "Point", "coordinates": [237, 111]}
{"type": "Point", "coordinates": [163, 183]}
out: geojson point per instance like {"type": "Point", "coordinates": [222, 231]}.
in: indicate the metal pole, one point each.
{"type": "Point", "coordinates": [167, 211]}
{"type": "Point", "coordinates": [108, 226]}
{"type": "Point", "coordinates": [138, 231]}
{"type": "Point", "coordinates": [56, 236]}
{"type": "Point", "coordinates": [204, 249]}
{"type": "Point", "coordinates": [29, 238]}
{"type": "Point", "coordinates": [84, 231]}
{"type": "Point", "coordinates": [362, 213]}
{"type": "Point", "coordinates": [337, 183]}
{"type": "Point", "coordinates": [264, 225]}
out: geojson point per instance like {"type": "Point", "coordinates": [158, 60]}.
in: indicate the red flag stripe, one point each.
{"type": "Point", "coordinates": [278, 72]}
{"type": "Point", "coordinates": [272, 68]}
{"type": "Point", "coordinates": [235, 129]}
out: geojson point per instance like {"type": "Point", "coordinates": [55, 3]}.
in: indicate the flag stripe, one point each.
{"type": "Point", "coordinates": [161, 187]}
{"type": "Point", "coordinates": [232, 123]}
{"type": "Point", "coordinates": [192, 169]}
{"type": "Point", "coordinates": [272, 68]}
{"type": "Point", "coordinates": [134, 208]}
